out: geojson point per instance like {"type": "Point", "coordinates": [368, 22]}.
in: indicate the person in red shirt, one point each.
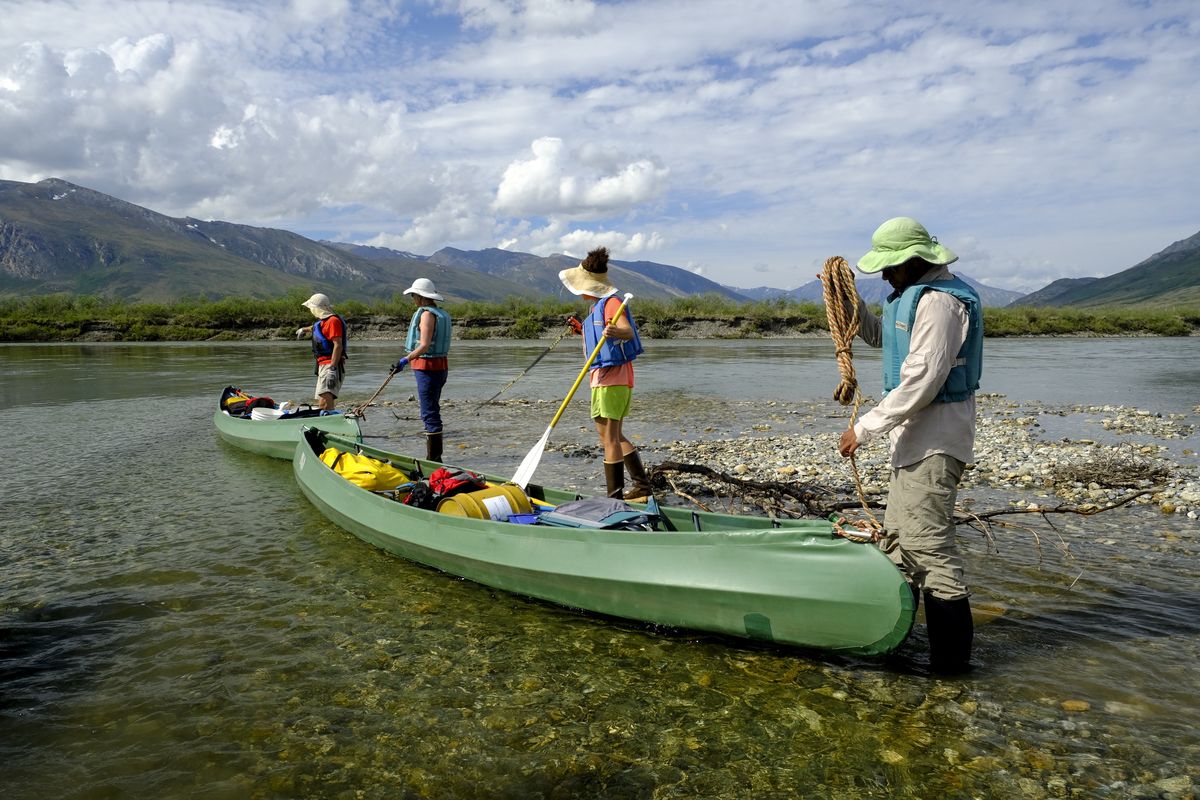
{"type": "Point", "coordinates": [329, 349]}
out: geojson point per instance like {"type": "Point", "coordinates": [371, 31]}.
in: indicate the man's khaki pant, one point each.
{"type": "Point", "coordinates": [919, 526]}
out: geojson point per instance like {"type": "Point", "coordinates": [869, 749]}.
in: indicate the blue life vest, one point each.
{"type": "Point", "coordinates": [899, 312]}
{"type": "Point", "coordinates": [440, 346]}
{"type": "Point", "coordinates": [614, 351]}
{"type": "Point", "coordinates": [323, 345]}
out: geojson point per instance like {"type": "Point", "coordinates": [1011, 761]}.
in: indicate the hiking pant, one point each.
{"type": "Point", "coordinates": [429, 393]}
{"type": "Point", "coordinates": [919, 526]}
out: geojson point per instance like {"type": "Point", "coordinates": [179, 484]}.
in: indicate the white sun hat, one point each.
{"type": "Point", "coordinates": [319, 305]}
{"type": "Point", "coordinates": [425, 288]}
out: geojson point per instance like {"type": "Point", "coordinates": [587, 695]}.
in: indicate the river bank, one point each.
{"type": "Point", "coordinates": [85, 319]}
{"type": "Point", "coordinates": [474, 330]}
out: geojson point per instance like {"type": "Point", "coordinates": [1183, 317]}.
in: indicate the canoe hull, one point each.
{"type": "Point", "coordinates": [277, 438]}
{"type": "Point", "coordinates": [796, 584]}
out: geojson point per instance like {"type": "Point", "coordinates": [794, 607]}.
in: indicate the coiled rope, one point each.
{"type": "Point", "coordinates": [841, 310]}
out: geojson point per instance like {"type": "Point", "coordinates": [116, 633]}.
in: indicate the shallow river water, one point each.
{"type": "Point", "coordinates": [177, 621]}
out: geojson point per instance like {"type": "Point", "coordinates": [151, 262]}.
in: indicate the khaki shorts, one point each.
{"type": "Point", "coordinates": [611, 402]}
{"type": "Point", "coordinates": [919, 526]}
{"type": "Point", "coordinates": [329, 381]}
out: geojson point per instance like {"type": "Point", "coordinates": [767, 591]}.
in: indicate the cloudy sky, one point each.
{"type": "Point", "coordinates": [747, 141]}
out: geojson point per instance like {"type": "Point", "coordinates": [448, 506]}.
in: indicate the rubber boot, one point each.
{"type": "Point", "coordinates": [951, 632]}
{"type": "Point", "coordinates": [614, 476]}
{"type": "Point", "coordinates": [641, 490]}
{"type": "Point", "coordinates": [433, 447]}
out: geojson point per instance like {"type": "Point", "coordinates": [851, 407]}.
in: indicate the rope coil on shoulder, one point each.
{"type": "Point", "coordinates": [841, 310]}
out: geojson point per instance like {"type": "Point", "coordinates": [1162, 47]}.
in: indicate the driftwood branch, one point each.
{"type": "Point", "coordinates": [771, 496]}
{"type": "Point", "coordinates": [1063, 508]}
{"type": "Point", "coordinates": [793, 499]}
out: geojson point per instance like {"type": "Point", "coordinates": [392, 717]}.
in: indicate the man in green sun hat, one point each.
{"type": "Point", "coordinates": [932, 338]}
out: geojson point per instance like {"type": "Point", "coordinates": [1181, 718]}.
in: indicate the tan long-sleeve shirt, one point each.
{"type": "Point", "coordinates": [916, 426]}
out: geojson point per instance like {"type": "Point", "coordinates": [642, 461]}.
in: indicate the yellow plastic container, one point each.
{"type": "Point", "coordinates": [494, 502]}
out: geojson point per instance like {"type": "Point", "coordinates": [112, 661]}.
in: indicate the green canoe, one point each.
{"type": "Point", "coordinates": [278, 437]}
{"type": "Point", "coordinates": [792, 581]}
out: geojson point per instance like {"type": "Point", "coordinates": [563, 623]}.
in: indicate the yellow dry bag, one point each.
{"type": "Point", "coordinates": [369, 473]}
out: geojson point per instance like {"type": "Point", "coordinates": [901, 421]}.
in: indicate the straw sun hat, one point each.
{"type": "Point", "coordinates": [898, 240]}
{"type": "Point", "coordinates": [590, 277]}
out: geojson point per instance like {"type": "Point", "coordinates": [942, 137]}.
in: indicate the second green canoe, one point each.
{"type": "Point", "coordinates": [278, 437]}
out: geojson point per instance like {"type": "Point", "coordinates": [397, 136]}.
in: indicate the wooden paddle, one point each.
{"type": "Point", "coordinates": [525, 472]}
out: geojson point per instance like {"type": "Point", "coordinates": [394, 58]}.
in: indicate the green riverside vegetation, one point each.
{"type": "Point", "coordinates": [64, 318]}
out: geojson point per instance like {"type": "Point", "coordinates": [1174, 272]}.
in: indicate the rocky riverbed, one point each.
{"type": "Point", "coordinates": [1016, 450]}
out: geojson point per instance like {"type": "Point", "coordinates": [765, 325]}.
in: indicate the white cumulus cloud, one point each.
{"type": "Point", "coordinates": [556, 181]}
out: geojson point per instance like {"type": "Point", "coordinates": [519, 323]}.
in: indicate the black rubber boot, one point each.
{"type": "Point", "coordinates": [951, 632]}
{"type": "Point", "coordinates": [641, 490]}
{"type": "Point", "coordinates": [614, 476]}
{"type": "Point", "coordinates": [433, 447]}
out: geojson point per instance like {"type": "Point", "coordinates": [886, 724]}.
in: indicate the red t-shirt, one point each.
{"type": "Point", "coordinates": [332, 329]}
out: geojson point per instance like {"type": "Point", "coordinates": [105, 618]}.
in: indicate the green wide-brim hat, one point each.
{"type": "Point", "coordinates": [898, 240]}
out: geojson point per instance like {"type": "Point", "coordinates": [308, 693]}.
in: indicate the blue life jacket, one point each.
{"type": "Point", "coordinates": [323, 345]}
{"type": "Point", "coordinates": [440, 346]}
{"type": "Point", "coordinates": [614, 351]}
{"type": "Point", "coordinates": [900, 311]}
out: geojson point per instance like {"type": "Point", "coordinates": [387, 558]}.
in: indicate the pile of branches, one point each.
{"type": "Point", "coordinates": [773, 498]}
{"type": "Point", "coordinates": [1116, 470]}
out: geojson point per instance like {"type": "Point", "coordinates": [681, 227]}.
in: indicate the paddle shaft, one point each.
{"type": "Point", "coordinates": [523, 372]}
{"type": "Point", "coordinates": [358, 410]}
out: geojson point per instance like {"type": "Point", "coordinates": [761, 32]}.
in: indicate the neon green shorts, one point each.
{"type": "Point", "coordinates": [611, 402]}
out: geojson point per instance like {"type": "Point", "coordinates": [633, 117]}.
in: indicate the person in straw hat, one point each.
{"type": "Point", "coordinates": [328, 334]}
{"type": "Point", "coordinates": [611, 376]}
{"type": "Point", "coordinates": [428, 345]}
{"type": "Point", "coordinates": [932, 338]}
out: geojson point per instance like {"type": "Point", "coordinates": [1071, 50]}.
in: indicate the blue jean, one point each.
{"type": "Point", "coordinates": [429, 393]}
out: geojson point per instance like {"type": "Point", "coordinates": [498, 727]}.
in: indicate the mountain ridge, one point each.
{"type": "Point", "coordinates": [56, 236]}
{"type": "Point", "coordinates": [875, 290]}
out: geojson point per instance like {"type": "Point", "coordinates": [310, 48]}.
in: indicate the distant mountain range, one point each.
{"type": "Point", "coordinates": [876, 290]}
{"type": "Point", "coordinates": [59, 237]}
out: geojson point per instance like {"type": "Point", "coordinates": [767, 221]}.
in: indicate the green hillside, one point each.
{"type": "Point", "coordinates": [1167, 279]}
{"type": "Point", "coordinates": [60, 238]}
{"type": "Point", "coordinates": [56, 237]}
